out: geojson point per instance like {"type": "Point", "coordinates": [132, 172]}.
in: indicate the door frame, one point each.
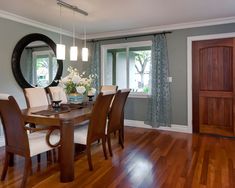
{"type": "Point", "coordinates": [190, 41]}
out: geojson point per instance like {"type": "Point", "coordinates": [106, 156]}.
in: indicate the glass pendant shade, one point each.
{"type": "Point", "coordinates": [60, 51]}
{"type": "Point", "coordinates": [84, 54]}
{"type": "Point", "coordinates": [73, 53]}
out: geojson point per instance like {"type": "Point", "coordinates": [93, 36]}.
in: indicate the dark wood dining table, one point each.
{"type": "Point", "coordinates": [66, 121]}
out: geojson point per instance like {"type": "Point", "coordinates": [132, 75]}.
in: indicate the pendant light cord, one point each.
{"type": "Point", "coordinates": [85, 32]}
{"type": "Point", "coordinates": [73, 30]}
{"type": "Point", "coordinates": [60, 27]}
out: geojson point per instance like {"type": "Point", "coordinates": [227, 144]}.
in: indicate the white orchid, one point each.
{"type": "Point", "coordinates": [77, 83]}
{"type": "Point", "coordinates": [76, 79]}
{"type": "Point", "coordinates": [81, 89]}
{"type": "Point", "coordinates": [91, 92]}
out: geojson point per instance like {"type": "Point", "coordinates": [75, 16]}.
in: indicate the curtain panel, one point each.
{"type": "Point", "coordinates": [159, 103]}
{"type": "Point", "coordinates": [95, 65]}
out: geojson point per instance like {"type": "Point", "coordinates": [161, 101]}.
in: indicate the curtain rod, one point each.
{"type": "Point", "coordinates": [130, 36]}
{"type": "Point", "coordinates": [72, 7]}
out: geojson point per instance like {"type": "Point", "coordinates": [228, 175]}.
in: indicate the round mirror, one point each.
{"type": "Point", "coordinates": [34, 63]}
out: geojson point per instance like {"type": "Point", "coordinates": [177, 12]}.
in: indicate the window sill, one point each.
{"type": "Point", "coordinates": [138, 95]}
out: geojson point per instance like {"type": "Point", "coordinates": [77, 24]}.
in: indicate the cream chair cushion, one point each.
{"type": "Point", "coordinates": [36, 97]}
{"type": "Point", "coordinates": [80, 134]}
{"type": "Point", "coordinates": [108, 88]}
{"type": "Point", "coordinates": [38, 144]}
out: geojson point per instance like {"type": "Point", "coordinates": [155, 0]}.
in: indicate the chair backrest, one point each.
{"type": "Point", "coordinates": [16, 138]}
{"type": "Point", "coordinates": [108, 88]}
{"type": "Point", "coordinates": [97, 123]}
{"type": "Point", "coordinates": [116, 114]}
{"type": "Point", "coordinates": [36, 97]}
{"type": "Point", "coordinates": [56, 90]}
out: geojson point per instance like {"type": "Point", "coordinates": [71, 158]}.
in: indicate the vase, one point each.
{"type": "Point", "coordinates": [75, 98]}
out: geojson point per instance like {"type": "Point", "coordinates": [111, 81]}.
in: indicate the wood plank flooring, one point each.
{"type": "Point", "coordinates": [150, 159]}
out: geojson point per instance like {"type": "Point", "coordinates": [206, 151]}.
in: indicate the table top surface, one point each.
{"type": "Point", "coordinates": [76, 115]}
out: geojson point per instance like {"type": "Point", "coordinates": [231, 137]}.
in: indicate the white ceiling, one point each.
{"type": "Point", "coordinates": [117, 17]}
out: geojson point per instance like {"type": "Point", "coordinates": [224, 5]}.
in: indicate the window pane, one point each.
{"type": "Point", "coordinates": [130, 70]}
{"type": "Point", "coordinates": [108, 67]}
{"type": "Point", "coordinates": [139, 69]}
{"type": "Point", "coordinates": [42, 71]}
{"type": "Point", "coordinates": [121, 66]}
{"type": "Point", "coordinates": [115, 68]}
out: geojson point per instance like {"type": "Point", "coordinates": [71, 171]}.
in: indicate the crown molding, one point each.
{"type": "Point", "coordinates": [27, 21]}
{"type": "Point", "coordinates": [162, 28]}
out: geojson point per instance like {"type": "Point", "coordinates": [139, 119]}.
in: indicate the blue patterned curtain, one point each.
{"type": "Point", "coordinates": [159, 111]}
{"type": "Point", "coordinates": [95, 64]}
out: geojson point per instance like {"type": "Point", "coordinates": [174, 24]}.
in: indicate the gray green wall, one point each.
{"type": "Point", "coordinates": [136, 109]}
{"type": "Point", "coordinates": [10, 33]}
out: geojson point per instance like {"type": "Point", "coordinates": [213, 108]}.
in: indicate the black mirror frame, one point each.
{"type": "Point", "coordinates": [16, 55]}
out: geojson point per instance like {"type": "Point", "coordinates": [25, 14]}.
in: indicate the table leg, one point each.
{"type": "Point", "coordinates": [11, 160]}
{"type": "Point", "coordinates": [67, 152]}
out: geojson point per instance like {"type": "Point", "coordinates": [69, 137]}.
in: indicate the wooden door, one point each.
{"type": "Point", "coordinates": [213, 86]}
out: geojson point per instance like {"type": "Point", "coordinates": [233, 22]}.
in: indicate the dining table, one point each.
{"type": "Point", "coordinates": [65, 119]}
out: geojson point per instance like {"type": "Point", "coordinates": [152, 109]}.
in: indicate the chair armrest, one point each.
{"type": "Point", "coordinates": [49, 130]}
{"type": "Point", "coordinates": [34, 129]}
{"type": "Point", "coordinates": [49, 134]}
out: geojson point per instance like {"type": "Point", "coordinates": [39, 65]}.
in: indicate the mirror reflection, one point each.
{"type": "Point", "coordinates": [38, 64]}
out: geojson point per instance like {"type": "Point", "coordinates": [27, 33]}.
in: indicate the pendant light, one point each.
{"type": "Point", "coordinates": [60, 48]}
{"type": "Point", "coordinates": [73, 49]}
{"type": "Point", "coordinates": [85, 52]}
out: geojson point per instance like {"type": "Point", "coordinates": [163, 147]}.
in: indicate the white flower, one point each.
{"type": "Point", "coordinates": [75, 82]}
{"type": "Point", "coordinates": [81, 89]}
{"type": "Point", "coordinates": [91, 92]}
{"type": "Point", "coordinates": [65, 79]}
{"type": "Point", "coordinates": [76, 79]}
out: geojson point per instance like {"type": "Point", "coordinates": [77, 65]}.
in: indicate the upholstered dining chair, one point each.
{"type": "Point", "coordinates": [37, 97]}
{"type": "Point", "coordinates": [58, 90]}
{"type": "Point", "coordinates": [17, 141]}
{"type": "Point", "coordinates": [95, 130]}
{"type": "Point", "coordinates": [116, 117]}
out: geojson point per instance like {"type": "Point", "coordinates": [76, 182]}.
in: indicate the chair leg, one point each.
{"type": "Point", "coordinates": [31, 166]}
{"type": "Point", "coordinates": [54, 155]}
{"type": "Point", "coordinates": [39, 158]}
{"type": "Point", "coordinates": [109, 145]}
{"type": "Point", "coordinates": [88, 150]}
{"type": "Point", "coordinates": [121, 138]}
{"type": "Point", "coordinates": [27, 167]}
{"type": "Point", "coordinates": [49, 157]}
{"type": "Point", "coordinates": [104, 148]}
{"type": "Point", "coordinates": [6, 164]}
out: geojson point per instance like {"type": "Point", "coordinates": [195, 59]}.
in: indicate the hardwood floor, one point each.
{"type": "Point", "coordinates": [150, 159]}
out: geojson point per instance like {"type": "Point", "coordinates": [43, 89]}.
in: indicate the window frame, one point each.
{"type": "Point", "coordinates": [128, 45]}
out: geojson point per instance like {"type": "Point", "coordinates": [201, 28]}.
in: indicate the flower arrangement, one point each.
{"type": "Point", "coordinates": [77, 83]}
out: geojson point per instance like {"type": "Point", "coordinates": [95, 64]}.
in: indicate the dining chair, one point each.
{"type": "Point", "coordinates": [59, 91]}
{"type": "Point", "coordinates": [36, 97]}
{"type": "Point", "coordinates": [116, 117]}
{"type": "Point", "coordinates": [95, 130]}
{"type": "Point", "coordinates": [17, 141]}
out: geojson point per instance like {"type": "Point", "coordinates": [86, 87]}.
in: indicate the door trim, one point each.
{"type": "Point", "coordinates": [189, 68]}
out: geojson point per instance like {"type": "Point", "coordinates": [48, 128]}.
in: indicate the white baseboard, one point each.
{"type": "Point", "coordinates": [174, 127]}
